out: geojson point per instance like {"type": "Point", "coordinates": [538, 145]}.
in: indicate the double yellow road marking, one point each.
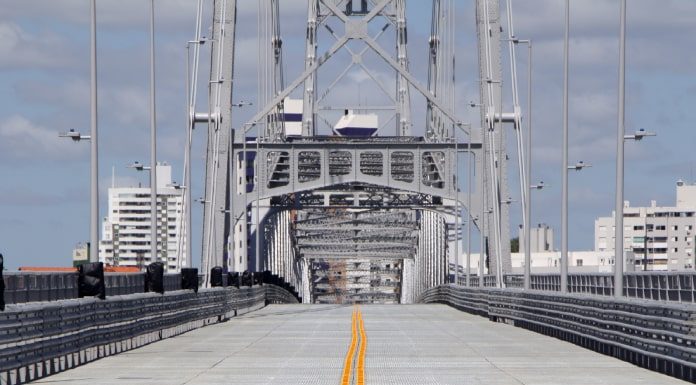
{"type": "Point", "coordinates": [358, 344]}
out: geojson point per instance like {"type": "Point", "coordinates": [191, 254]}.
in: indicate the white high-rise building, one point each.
{"type": "Point", "coordinates": [126, 230]}
{"type": "Point", "coordinates": [662, 238]}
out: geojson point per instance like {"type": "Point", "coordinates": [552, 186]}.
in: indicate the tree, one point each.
{"type": "Point", "coordinates": [515, 245]}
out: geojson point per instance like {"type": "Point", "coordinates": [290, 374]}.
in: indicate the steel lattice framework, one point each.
{"type": "Point", "coordinates": [380, 212]}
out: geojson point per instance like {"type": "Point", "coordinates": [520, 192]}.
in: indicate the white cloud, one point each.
{"type": "Point", "coordinates": [19, 48]}
{"type": "Point", "coordinates": [21, 139]}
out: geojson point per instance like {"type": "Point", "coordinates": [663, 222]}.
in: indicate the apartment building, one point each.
{"type": "Point", "coordinates": [661, 238]}
{"type": "Point", "coordinates": [126, 236]}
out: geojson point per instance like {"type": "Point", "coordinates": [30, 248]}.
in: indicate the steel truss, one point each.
{"type": "Point", "coordinates": [311, 207]}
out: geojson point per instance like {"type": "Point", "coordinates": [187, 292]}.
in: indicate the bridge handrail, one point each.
{"type": "Point", "coordinates": [22, 287]}
{"type": "Point", "coordinates": [43, 338]}
{"type": "Point", "coordinates": [658, 335]}
{"type": "Point", "coordinates": [672, 286]}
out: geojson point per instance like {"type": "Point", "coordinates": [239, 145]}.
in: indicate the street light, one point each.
{"type": "Point", "coordinates": [564, 182]}
{"type": "Point", "coordinates": [621, 137]}
{"type": "Point", "coordinates": [153, 139]}
{"type": "Point", "coordinates": [139, 166]}
{"type": "Point", "coordinates": [94, 155]}
{"type": "Point", "coordinates": [74, 135]}
{"type": "Point", "coordinates": [176, 186]}
{"type": "Point", "coordinates": [242, 103]}
{"type": "Point", "coordinates": [579, 166]}
{"type": "Point", "coordinates": [639, 135]}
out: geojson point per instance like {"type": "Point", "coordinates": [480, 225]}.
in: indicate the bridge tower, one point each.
{"type": "Point", "coordinates": [352, 218]}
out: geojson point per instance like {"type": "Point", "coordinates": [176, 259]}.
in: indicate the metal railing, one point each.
{"type": "Point", "coordinates": [654, 285]}
{"type": "Point", "coordinates": [660, 336]}
{"type": "Point", "coordinates": [43, 338]}
{"type": "Point", "coordinates": [23, 287]}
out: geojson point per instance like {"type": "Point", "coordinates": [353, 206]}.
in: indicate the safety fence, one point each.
{"type": "Point", "coordinates": [654, 285]}
{"type": "Point", "coordinates": [22, 287]}
{"type": "Point", "coordinates": [660, 336]}
{"type": "Point", "coordinates": [43, 338]}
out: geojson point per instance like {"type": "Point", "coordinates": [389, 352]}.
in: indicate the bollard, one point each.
{"type": "Point", "coordinates": [266, 277]}
{"type": "Point", "coordinates": [90, 280]}
{"type": "Point", "coordinates": [154, 278]}
{"type": "Point", "coordinates": [189, 279]}
{"type": "Point", "coordinates": [246, 278]}
{"type": "Point", "coordinates": [216, 276]}
{"type": "Point", "coordinates": [233, 279]}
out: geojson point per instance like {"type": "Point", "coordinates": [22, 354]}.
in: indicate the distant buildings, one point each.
{"type": "Point", "coordinates": [578, 262]}
{"type": "Point", "coordinates": [541, 238]}
{"type": "Point", "coordinates": [126, 230]}
{"type": "Point", "coordinates": [661, 238]}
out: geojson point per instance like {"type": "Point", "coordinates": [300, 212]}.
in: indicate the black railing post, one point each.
{"type": "Point", "coordinates": [90, 280]}
{"type": "Point", "coordinates": [189, 279]}
{"type": "Point", "coordinates": [154, 278]}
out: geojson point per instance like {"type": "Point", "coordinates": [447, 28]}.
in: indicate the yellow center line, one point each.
{"type": "Point", "coordinates": [361, 353]}
{"type": "Point", "coordinates": [350, 357]}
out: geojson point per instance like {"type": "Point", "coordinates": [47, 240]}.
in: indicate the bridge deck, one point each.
{"type": "Point", "coordinates": [307, 344]}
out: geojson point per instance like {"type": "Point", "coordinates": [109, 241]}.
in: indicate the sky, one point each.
{"type": "Point", "coordinates": [44, 90]}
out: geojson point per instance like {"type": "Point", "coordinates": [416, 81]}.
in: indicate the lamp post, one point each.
{"type": "Point", "coordinates": [94, 148]}
{"type": "Point", "coordinates": [621, 137]}
{"type": "Point", "coordinates": [153, 139]}
{"type": "Point", "coordinates": [564, 204]}
{"type": "Point", "coordinates": [564, 199]}
{"type": "Point", "coordinates": [577, 167]}
{"type": "Point", "coordinates": [94, 155]}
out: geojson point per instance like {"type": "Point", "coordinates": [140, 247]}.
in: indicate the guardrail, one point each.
{"type": "Point", "coordinates": [660, 336]}
{"type": "Point", "coordinates": [23, 287]}
{"type": "Point", "coordinates": [653, 285]}
{"type": "Point", "coordinates": [40, 339]}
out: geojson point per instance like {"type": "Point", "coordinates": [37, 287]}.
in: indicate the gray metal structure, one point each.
{"type": "Point", "coordinates": [219, 119]}
{"type": "Point", "coordinates": [265, 189]}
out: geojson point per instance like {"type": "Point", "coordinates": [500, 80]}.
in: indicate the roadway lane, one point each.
{"type": "Point", "coordinates": [307, 344]}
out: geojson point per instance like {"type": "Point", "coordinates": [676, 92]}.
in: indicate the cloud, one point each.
{"type": "Point", "coordinates": [19, 48]}
{"type": "Point", "coordinates": [22, 140]}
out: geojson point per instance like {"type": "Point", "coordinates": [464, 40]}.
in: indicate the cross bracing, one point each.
{"type": "Point", "coordinates": [279, 202]}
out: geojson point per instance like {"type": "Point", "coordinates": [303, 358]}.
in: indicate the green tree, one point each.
{"type": "Point", "coordinates": [515, 245]}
